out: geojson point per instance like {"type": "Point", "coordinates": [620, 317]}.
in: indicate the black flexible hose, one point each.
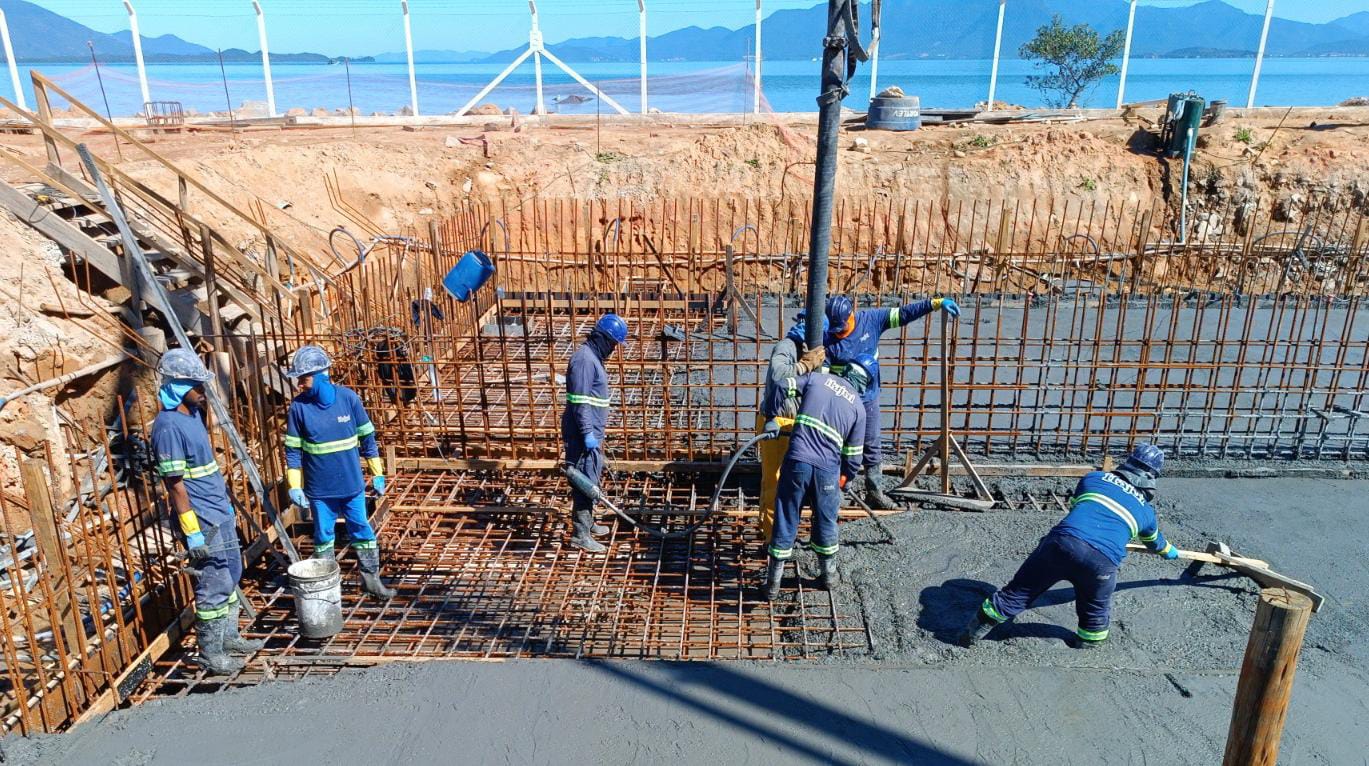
{"type": "Point", "coordinates": [585, 485]}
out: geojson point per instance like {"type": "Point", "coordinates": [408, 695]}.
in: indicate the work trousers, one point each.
{"type": "Point", "coordinates": [590, 462]}
{"type": "Point", "coordinates": [1061, 557]}
{"type": "Point", "coordinates": [217, 579]}
{"type": "Point", "coordinates": [872, 451]}
{"type": "Point", "coordinates": [803, 484]}
{"type": "Point", "coordinates": [352, 510]}
{"type": "Point", "coordinates": [772, 459]}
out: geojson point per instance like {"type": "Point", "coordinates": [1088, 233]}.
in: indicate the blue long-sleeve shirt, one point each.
{"type": "Point", "coordinates": [1107, 513]}
{"type": "Point", "coordinates": [328, 444]}
{"type": "Point", "coordinates": [864, 338]}
{"type": "Point", "coordinates": [587, 395]}
{"type": "Point", "coordinates": [829, 429]}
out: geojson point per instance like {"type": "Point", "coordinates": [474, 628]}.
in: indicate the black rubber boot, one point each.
{"type": "Point", "coordinates": [828, 574]}
{"type": "Point", "coordinates": [774, 577]}
{"type": "Point", "coordinates": [325, 553]}
{"type": "Point", "coordinates": [874, 494]}
{"type": "Point", "coordinates": [369, 561]}
{"type": "Point", "coordinates": [1083, 643]}
{"type": "Point", "coordinates": [978, 628]}
{"type": "Point", "coordinates": [209, 634]}
{"type": "Point", "coordinates": [233, 642]}
{"type": "Point", "coordinates": [582, 523]}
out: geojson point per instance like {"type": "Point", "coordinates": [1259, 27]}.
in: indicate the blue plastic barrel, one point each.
{"type": "Point", "coordinates": [473, 270]}
{"type": "Point", "coordinates": [887, 113]}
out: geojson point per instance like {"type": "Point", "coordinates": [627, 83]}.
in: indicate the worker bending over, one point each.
{"type": "Point", "coordinates": [199, 498]}
{"type": "Point", "coordinates": [1109, 510]}
{"type": "Point", "coordinates": [327, 434]}
{"type": "Point", "coordinates": [585, 419]}
{"type": "Point", "coordinates": [780, 403]}
{"type": "Point", "coordinates": [858, 332]}
{"type": "Point", "coordinates": [824, 452]}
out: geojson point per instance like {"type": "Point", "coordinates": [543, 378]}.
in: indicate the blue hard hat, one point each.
{"type": "Point", "coordinates": [307, 361]}
{"type": "Point", "coordinates": [613, 326]}
{"type": "Point", "coordinates": [839, 311]}
{"type": "Point", "coordinates": [862, 370]}
{"type": "Point", "coordinates": [799, 331]}
{"type": "Point", "coordinates": [183, 364]}
{"type": "Point", "coordinates": [1147, 456]}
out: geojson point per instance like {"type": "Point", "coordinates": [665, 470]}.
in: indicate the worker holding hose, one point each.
{"type": "Point", "coordinates": [1109, 510]}
{"type": "Point", "coordinates": [858, 332]}
{"type": "Point", "coordinates": [584, 422]}
{"type": "Point", "coordinates": [327, 435]}
{"type": "Point", "coordinates": [199, 498]}
{"type": "Point", "coordinates": [779, 404]}
{"type": "Point", "coordinates": [824, 452]}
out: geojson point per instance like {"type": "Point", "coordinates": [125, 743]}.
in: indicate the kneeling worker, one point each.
{"type": "Point", "coordinates": [199, 498]}
{"type": "Point", "coordinates": [585, 420]}
{"type": "Point", "coordinates": [824, 452]}
{"type": "Point", "coordinates": [780, 403]}
{"type": "Point", "coordinates": [327, 433]}
{"type": "Point", "coordinates": [1109, 510]}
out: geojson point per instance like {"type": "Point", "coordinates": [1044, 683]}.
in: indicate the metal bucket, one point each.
{"type": "Point", "coordinates": [889, 113]}
{"type": "Point", "coordinates": [316, 585]}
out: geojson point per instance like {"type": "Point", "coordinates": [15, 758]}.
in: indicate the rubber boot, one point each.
{"type": "Point", "coordinates": [874, 494]}
{"type": "Point", "coordinates": [209, 634]}
{"type": "Point", "coordinates": [598, 530]}
{"type": "Point", "coordinates": [325, 553]}
{"type": "Point", "coordinates": [828, 574]}
{"type": "Point", "coordinates": [1083, 643]}
{"type": "Point", "coordinates": [369, 561]}
{"type": "Point", "coordinates": [233, 642]}
{"type": "Point", "coordinates": [978, 628]}
{"type": "Point", "coordinates": [582, 524]}
{"type": "Point", "coordinates": [774, 577]}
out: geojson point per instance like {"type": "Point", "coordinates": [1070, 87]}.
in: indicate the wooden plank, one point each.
{"type": "Point", "coordinates": [112, 696]}
{"type": "Point", "coordinates": [57, 229]}
{"type": "Point", "coordinates": [37, 488]}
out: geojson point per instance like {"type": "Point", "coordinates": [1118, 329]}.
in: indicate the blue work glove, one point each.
{"type": "Point", "coordinates": [378, 483]}
{"type": "Point", "coordinates": [591, 442]}
{"type": "Point", "coordinates": [197, 550]}
{"type": "Point", "coordinates": [1170, 553]}
{"type": "Point", "coordinates": [947, 305]}
{"type": "Point", "coordinates": [297, 498]}
{"type": "Point", "coordinates": [772, 429]}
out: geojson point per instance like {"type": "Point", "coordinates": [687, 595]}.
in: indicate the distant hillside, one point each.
{"type": "Point", "coordinates": [954, 29]}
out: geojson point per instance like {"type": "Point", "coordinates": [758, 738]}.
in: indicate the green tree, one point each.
{"type": "Point", "coordinates": [1074, 58]}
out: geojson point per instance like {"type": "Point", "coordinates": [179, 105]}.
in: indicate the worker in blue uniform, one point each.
{"type": "Point", "coordinates": [584, 422]}
{"type": "Point", "coordinates": [199, 498]}
{"type": "Point", "coordinates": [824, 452]}
{"type": "Point", "coordinates": [780, 403]}
{"type": "Point", "coordinates": [855, 332]}
{"type": "Point", "coordinates": [327, 435]}
{"type": "Point", "coordinates": [1109, 510]}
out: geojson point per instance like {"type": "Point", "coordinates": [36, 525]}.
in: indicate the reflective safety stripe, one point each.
{"type": "Point", "coordinates": [791, 385]}
{"type": "Point", "coordinates": [990, 612]}
{"type": "Point", "coordinates": [837, 369]}
{"type": "Point", "coordinates": [166, 467]}
{"type": "Point", "coordinates": [781, 553]}
{"type": "Point", "coordinates": [233, 597]}
{"type": "Point", "coordinates": [323, 546]}
{"type": "Point", "coordinates": [201, 471]}
{"type": "Point", "coordinates": [1111, 505]}
{"type": "Point", "coordinates": [366, 429]}
{"type": "Point", "coordinates": [821, 427]}
{"type": "Point", "coordinates": [1091, 635]}
{"type": "Point", "coordinates": [893, 318]}
{"type": "Point", "coordinates": [823, 550]}
{"type": "Point", "coordinates": [212, 613]}
{"type": "Point", "coordinates": [363, 544]}
{"type": "Point", "coordinates": [587, 400]}
{"type": "Point", "coordinates": [328, 448]}
{"type": "Point", "coordinates": [1150, 538]}
{"type": "Point", "coordinates": [293, 441]}
{"type": "Point", "coordinates": [853, 451]}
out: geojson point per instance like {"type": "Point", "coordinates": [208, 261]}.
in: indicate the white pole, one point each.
{"type": "Point", "coordinates": [1259, 56]}
{"type": "Point", "coordinates": [997, 48]}
{"type": "Point", "coordinates": [874, 63]}
{"type": "Point", "coordinates": [602, 96]}
{"type": "Point", "coordinates": [409, 49]}
{"type": "Point", "coordinates": [756, 84]}
{"type": "Point", "coordinates": [265, 59]}
{"type": "Point", "coordinates": [138, 52]}
{"type": "Point", "coordinates": [535, 45]}
{"type": "Point", "coordinates": [494, 83]}
{"type": "Point", "coordinates": [1126, 55]}
{"type": "Point", "coordinates": [641, 35]}
{"type": "Point", "coordinates": [14, 65]}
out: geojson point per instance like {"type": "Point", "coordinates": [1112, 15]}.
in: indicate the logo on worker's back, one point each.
{"type": "Point", "coordinates": [840, 390]}
{"type": "Point", "coordinates": [1124, 486]}
{"type": "Point", "coordinates": [344, 418]}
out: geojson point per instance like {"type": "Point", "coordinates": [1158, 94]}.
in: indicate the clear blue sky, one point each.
{"type": "Point", "coordinates": [363, 27]}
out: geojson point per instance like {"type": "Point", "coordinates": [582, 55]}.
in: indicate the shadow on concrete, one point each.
{"type": "Point", "coordinates": [700, 687]}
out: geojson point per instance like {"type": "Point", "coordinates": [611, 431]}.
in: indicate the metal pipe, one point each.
{"type": "Point", "coordinates": [1126, 55]}
{"type": "Point", "coordinates": [62, 380]}
{"type": "Point", "coordinates": [1259, 55]}
{"type": "Point", "coordinates": [265, 59]}
{"type": "Point", "coordinates": [409, 50]}
{"type": "Point", "coordinates": [997, 48]}
{"type": "Point", "coordinates": [138, 55]}
{"type": "Point", "coordinates": [641, 37]}
{"type": "Point", "coordinates": [13, 65]}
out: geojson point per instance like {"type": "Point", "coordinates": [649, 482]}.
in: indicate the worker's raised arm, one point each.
{"type": "Point", "coordinates": [902, 317]}
{"type": "Point", "coordinates": [853, 445]}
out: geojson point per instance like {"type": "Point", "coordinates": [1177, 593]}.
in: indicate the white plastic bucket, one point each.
{"type": "Point", "coordinates": [316, 585]}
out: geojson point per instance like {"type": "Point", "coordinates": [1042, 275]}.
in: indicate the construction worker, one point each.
{"type": "Point", "coordinates": [1109, 510]}
{"type": "Point", "coordinates": [857, 332]}
{"type": "Point", "coordinates": [585, 419]}
{"type": "Point", "coordinates": [780, 403]}
{"type": "Point", "coordinates": [824, 452]}
{"type": "Point", "coordinates": [199, 498]}
{"type": "Point", "coordinates": [327, 434]}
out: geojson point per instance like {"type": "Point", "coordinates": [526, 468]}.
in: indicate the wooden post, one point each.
{"type": "Point", "coordinates": [1271, 660]}
{"type": "Point", "coordinates": [37, 489]}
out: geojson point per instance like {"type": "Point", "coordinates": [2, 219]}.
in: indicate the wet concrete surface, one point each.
{"type": "Point", "coordinates": [1159, 692]}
